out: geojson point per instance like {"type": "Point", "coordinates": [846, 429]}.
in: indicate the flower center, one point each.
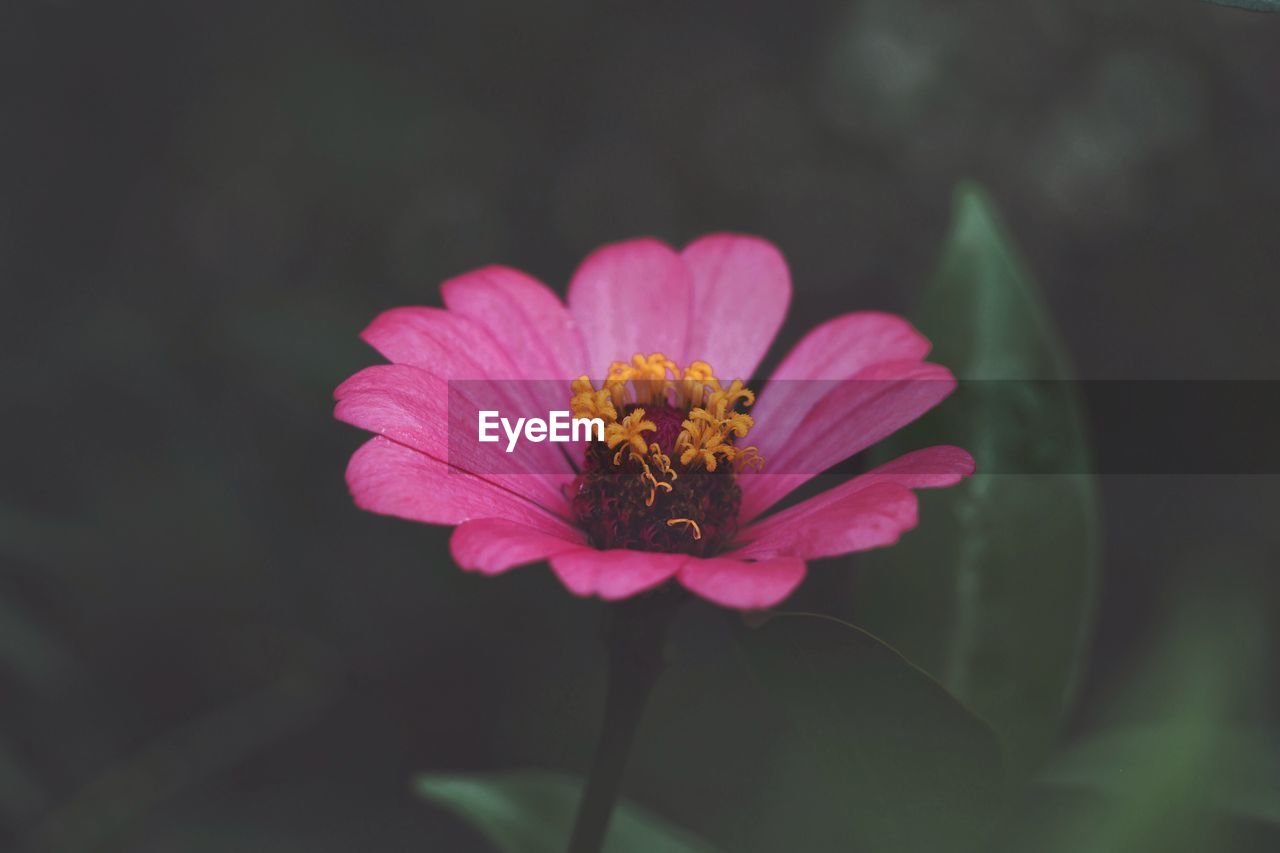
{"type": "Point", "coordinates": [663, 478]}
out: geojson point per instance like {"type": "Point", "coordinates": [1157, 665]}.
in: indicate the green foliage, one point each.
{"type": "Point", "coordinates": [901, 765]}
{"type": "Point", "coordinates": [1235, 770]}
{"type": "Point", "coordinates": [532, 812]}
{"type": "Point", "coordinates": [993, 594]}
{"type": "Point", "coordinates": [1251, 5]}
{"type": "Point", "coordinates": [1173, 766]}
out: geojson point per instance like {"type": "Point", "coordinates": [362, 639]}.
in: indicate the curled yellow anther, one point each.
{"type": "Point", "coordinates": [654, 482]}
{"type": "Point", "coordinates": [662, 460]}
{"type": "Point", "coordinates": [688, 522]}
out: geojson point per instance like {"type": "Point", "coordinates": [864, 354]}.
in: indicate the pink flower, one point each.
{"type": "Point", "coordinates": [675, 491]}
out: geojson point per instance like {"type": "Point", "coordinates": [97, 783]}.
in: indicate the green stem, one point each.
{"type": "Point", "coordinates": [635, 632]}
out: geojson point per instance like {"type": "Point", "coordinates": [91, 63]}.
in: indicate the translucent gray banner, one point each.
{"type": "Point", "coordinates": [1023, 427]}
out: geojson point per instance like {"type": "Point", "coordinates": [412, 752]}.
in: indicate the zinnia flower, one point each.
{"type": "Point", "coordinates": [691, 463]}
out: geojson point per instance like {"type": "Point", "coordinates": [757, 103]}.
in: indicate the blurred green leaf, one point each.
{"type": "Point", "coordinates": [1251, 5]}
{"type": "Point", "coordinates": [1174, 767]}
{"type": "Point", "coordinates": [530, 811]}
{"type": "Point", "coordinates": [1240, 776]}
{"type": "Point", "coordinates": [906, 766]}
{"type": "Point", "coordinates": [994, 593]}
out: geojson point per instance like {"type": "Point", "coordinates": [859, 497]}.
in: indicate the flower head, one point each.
{"type": "Point", "coordinates": [690, 463]}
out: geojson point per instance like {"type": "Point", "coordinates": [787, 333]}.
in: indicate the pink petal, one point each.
{"type": "Point", "coordinates": [846, 419]}
{"type": "Point", "coordinates": [869, 511]}
{"type": "Point", "coordinates": [447, 344]}
{"type": "Point", "coordinates": [866, 518]}
{"type": "Point", "coordinates": [415, 408]}
{"type": "Point", "coordinates": [404, 403]}
{"type": "Point", "coordinates": [493, 545]}
{"type": "Point", "coordinates": [741, 287]}
{"type": "Point", "coordinates": [740, 584]}
{"type": "Point", "coordinates": [844, 345]}
{"type": "Point", "coordinates": [391, 479]}
{"type": "Point", "coordinates": [834, 351]}
{"type": "Point", "coordinates": [927, 468]}
{"type": "Point", "coordinates": [614, 575]}
{"type": "Point", "coordinates": [478, 369]}
{"type": "Point", "coordinates": [632, 297]}
{"type": "Point", "coordinates": [523, 315]}
{"type": "Point", "coordinates": [537, 331]}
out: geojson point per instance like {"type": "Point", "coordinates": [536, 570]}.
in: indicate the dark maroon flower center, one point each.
{"type": "Point", "coordinates": [618, 508]}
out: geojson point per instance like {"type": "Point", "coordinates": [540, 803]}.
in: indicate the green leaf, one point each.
{"type": "Point", "coordinates": [1236, 776]}
{"type": "Point", "coordinates": [993, 593]}
{"type": "Point", "coordinates": [1251, 5]}
{"type": "Point", "coordinates": [1172, 768]}
{"type": "Point", "coordinates": [529, 811]}
{"type": "Point", "coordinates": [897, 763]}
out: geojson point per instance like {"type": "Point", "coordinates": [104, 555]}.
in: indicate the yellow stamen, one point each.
{"type": "Point", "coordinates": [731, 395]}
{"type": "Point", "coordinates": [739, 424]}
{"type": "Point", "coordinates": [699, 371]}
{"type": "Point", "coordinates": [689, 522]}
{"type": "Point", "coordinates": [701, 440]}
{"type": "Point", "coordinates": [649, 376]}
{"type": "Point", "coordinates": [630, 434]}
{"type": "Point", "coordinates": [589, 403]}
{"type": "Point", "coordinates": [698, 376]}
{"type": "Point", "coordinates": [707, 434]}
{"type": "Point", "coordinates": [654, 367]}
{"type": "Point", "coordinates": [748, 457]}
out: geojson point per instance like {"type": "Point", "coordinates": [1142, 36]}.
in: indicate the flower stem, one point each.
{"type": "Point", "coordinates": [634, 634]}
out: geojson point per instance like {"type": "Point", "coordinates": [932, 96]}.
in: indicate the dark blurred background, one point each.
{"type": "Point", "coordinates": [204, 646]}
